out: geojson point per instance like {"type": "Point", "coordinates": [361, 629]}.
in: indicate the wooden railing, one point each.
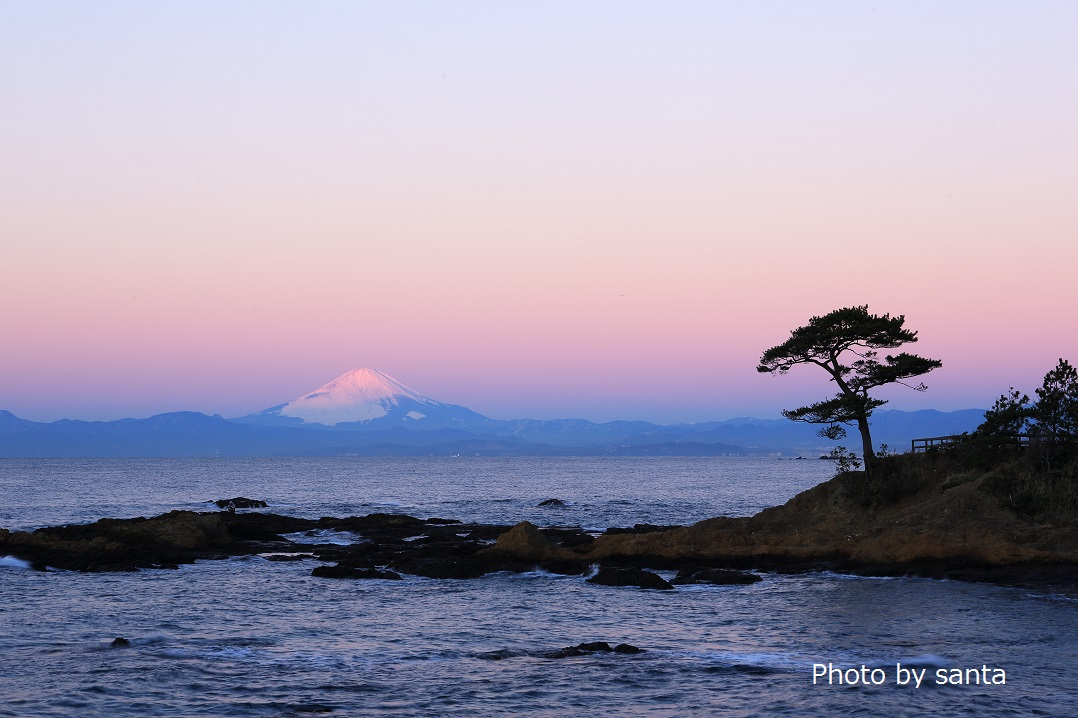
{"type": "Point", "coordinates": [934, 442]}
{"type": "Point", "coordinates": [943, 442]}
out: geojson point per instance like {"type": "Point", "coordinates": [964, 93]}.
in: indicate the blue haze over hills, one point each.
{"type": "Point", "coordinates": [366, 412]}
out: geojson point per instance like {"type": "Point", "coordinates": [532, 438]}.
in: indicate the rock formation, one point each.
{"type": "Point", "coordinates": [926, 522]}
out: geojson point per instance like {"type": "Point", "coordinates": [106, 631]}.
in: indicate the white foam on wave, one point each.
{"type": "Point", "coordinates": [12, 562]}
{"type": "Point", "coordinates": [536, 572]}
{"type": "Point", "coordinates": [153, 639]}
{"type": "Point", "coordinates": [316, 536]}
{"type": "Point", "coordinates": [927, 660]}
{"type": "Point", "coordinates": [230, 653]}
{"type": "Point", "coordinates": [1053, 597]}
{"type": "Point", "coordinates": [859, 577]}
{"type": "Point", "coordinates": [760, 659]}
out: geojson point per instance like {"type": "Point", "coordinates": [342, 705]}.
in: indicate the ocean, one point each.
{"type": "Point", "coordinates": [251, 637]}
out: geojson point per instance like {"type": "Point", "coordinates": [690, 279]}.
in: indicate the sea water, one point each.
{"type": "Point", "coordinates": [251, 637]}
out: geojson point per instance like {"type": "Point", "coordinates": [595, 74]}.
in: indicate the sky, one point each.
{"type": "Point", "coordinates": [604, 210]}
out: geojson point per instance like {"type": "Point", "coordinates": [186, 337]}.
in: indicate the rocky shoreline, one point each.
{"type": "Point", "coordinates": [942, 529]}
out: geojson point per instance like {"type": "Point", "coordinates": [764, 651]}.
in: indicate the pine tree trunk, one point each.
{"type": "Point", "coordinates": [866, 444]}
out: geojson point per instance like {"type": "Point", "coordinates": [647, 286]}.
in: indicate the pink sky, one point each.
{"type": "Point", "coordinates": [605, 212]}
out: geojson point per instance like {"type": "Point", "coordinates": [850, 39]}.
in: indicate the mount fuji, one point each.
{"type": "Point", "coordinates": [365, 398]}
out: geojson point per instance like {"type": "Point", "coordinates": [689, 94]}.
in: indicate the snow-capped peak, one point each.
{"type": "Point", "coordinates": [366, 385]}
{"type": "Point", "coordinates": [356, 395]}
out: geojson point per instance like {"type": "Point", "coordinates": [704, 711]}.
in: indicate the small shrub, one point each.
{"type": "Point", "coordinates": [844, 460]}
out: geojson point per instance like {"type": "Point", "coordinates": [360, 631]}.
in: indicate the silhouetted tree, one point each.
{"type": "Point", "coordinates": [1053, 415]}
{"type": "Point", "coordinates": [1008, 417]}
{"type": "Point", "coordinates": [1056, 410]}
{"type": "Point", "coordinates": [844, 343]}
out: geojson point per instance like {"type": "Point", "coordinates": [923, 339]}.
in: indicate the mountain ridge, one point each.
{"type": "Point", "coordinates": [368, 412]}
{"type": "Point", "coordinates": [196, 434]}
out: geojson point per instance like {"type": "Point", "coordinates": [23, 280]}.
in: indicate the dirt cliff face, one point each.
{"type": "Point", "coordinates": [845, 522]}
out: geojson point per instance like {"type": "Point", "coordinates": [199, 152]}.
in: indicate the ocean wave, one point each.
{"type": "Point", "coordinates": [13, 562]}
{"type": "Point", "coordinates": [926, 660]}
{"type": "Point", "coordinates": [332, 536]}
{"type": "Point", "coordinates": [748, 662]}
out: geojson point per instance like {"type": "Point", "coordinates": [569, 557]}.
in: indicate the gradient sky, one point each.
{"type": "Point", "coordinates": [601, 209]}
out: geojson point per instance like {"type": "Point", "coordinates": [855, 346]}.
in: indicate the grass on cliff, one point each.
{"type": "Point", "coordinates": [1039, 484]}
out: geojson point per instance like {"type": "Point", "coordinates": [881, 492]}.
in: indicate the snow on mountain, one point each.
{"type": "Point", "coordinates": [365, 397]}
{"type": "Point", "coordinates": [357, 395]}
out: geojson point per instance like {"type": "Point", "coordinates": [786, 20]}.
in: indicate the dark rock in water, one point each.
{"type": "Point", "coordinates": [593, 647]}
{"type": "Point", "coordinates": [627, 649]}
{"type": "Point", "coordinates": [119, 643]}
{"type": "Point", "coordinates": [340, 571]}
{"type": "Point", "coordinates": [568, 536]}
{"type": "Point", "coordinates": [264, 526]}
{"type": "Point", "coordinates": [629, 577]}
{"type": "Point", "coordinates": [585, 649]}
{"type": "Point", "coordinates": [441, 521]}
{"type": "Point", "coordinates": [288, 556]}
{"type": "Point", "coordinates": [251, 531]}
{"type": "Point", "coordinates": [581, 649]}
{"type": "Point", "coordinates": [639, 529]}
{"type": "Point", "coordinates": [240, 502]}
{"type": "Point", "coordinates": [122, 544]}
{"type": "Point", "coordinates": [552, 502]}
{"type": "Point", "coordinates": [525, 542]}
{"type": "Point", "coordinates": [485, 532]}
{"type": "Point", "coordinates": [717, 576]}
{"type": "Point", "coordinates": [462, 567]}
{"type": "Point", "coordinates": [566, 566]}
{"type": "Point", "coordinates": [373, 522]}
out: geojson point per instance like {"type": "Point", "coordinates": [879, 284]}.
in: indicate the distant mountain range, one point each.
{"type": "Point", "coordinates": [368, 413]}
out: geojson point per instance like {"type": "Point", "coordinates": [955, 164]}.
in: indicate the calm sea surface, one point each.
{"type": "Point", "coordinates": [250, 637]}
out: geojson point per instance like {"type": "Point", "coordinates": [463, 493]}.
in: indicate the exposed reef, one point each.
{"type": "Point", "coordinates": [932, 522]}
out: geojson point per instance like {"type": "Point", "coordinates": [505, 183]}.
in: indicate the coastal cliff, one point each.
{"type": "Point", "coordinates": [922, 515]}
